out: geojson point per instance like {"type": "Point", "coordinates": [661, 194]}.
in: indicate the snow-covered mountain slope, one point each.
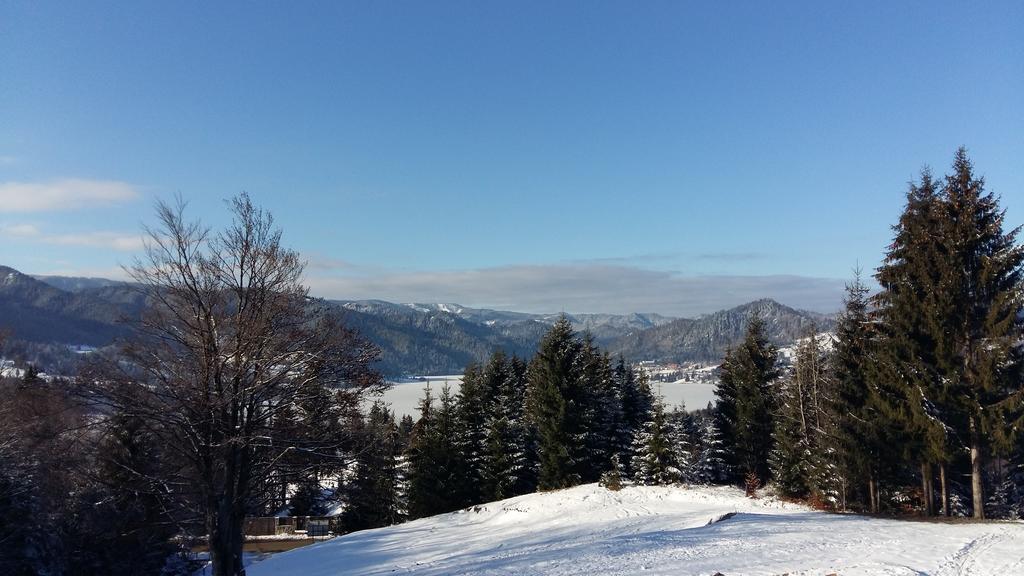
{"type": "Point", "coordinates": [591, 531]}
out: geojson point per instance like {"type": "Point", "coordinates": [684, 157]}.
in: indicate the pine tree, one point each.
{"type": "Point", "coordinates": [654, 461]}
{"type": "Point", "coordinates": [603, 410]}
{"type": "Point", "coordinates": [505, 468]}
{"type": "Point", "coordinates": [979, 328]}
{"type": "Point", "coordinates": [684, 439]}
{"type": "Point", "coordinates": [555, 407]}
{"type": "Point", "coordinates": [373, 498]}
{"type": "Point", "coordinates": [950, 305]}
{"type": "Point", "coordinates": [636, 401]}
{"type": "Point", "coordinates": [859, 429]}
{"type": "Point", "coordinates": [804, 451]}
{"type": "Point", "coordinates": [711, 465]}
{"type": "Point", "coordinates": [747, 402]}
{"type": "Point", "coordinates": [906, 378]}
{"type": "Point", "coordinates": [473, 415]}
{"type": "Point", "coordinates": [434, 463]}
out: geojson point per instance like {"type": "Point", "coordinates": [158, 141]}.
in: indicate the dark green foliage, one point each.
{"type": "Point", "coordinates": [949, 368]}
{"type": "Point", "coordinates": [636, 401]}
{"type": "Point", "coordinates": [802, 460]}
{"type": "Point", "coordinates": [405, 426]}
{"type": "Point", "coordinates": [711, 463]}
{"type": "Point", "coordinates": [435, 464]}
{"type": "Point", "coordinates": [746, 405]}
{"type": "Point", "coordinates": [556, 407]}
{"type": "Point", "coordinates": [308, 500]}
{"type": "Point", "coordinates": [26, 546]}
{"type": "Point", "coordinates": [506, 464]}
{"type": "Point", "coordinates": [372, 497]}
{"type": "Point", "coordinates": [684, 436]}
{"type": "Point", "coordinates": [473, 413]}
{"type": "Point", "coordinates": [860, 427]}
{"type": "Point", "coordinates": [120, 520]}
{"type": "Point", "coordinates": [603, 410]}
{"type": "Point", "coordinates": [654, 456]}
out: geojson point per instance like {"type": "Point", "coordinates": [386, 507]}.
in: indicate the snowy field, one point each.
{"type": "Point", "coordinates": [404, 396]}
{"type": "Point", "coordinates": [591, 531]}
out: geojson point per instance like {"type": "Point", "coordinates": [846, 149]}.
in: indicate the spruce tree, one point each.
{"type": "Point", "coordinates": [711, 465]}
{"type": "Point", "coordinates": [950, 305]}
{"type": "Point", "coordinates": [654, 460]}
{"type": "Point", "coordinates": [556, 407]}
{"type": "Point", "coordinates": [434, 464]}
{"type": "Point", "coordinates": [747, 402]}
{"type": "Point", "coordinates": [860, 429]}
{"type": "Point", "coordinates": [603, 410]}
{"type": "Point", "coordinates": [472, 418]}
{"type": "Point", "coordinates": [906, 378]}
{"type": "Point", "coordinates": [505, 467]}
{"type": "Point", "coordinates": [373, 499]}
{"type": "Point", "coordinates": [636, 401]}
{"type": "Point", "coordinates": [979, 328]}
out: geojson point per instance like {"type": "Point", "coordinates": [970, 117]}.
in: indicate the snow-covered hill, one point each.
{"type": "Point", "coordinates": [591, 531]}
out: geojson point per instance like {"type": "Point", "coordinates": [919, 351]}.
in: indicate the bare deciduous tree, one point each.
{"type": "Point", "coordinates": [230, 348]}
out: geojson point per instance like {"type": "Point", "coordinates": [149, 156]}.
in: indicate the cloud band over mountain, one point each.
{"type": "Point", "coordinates": [583, 288]}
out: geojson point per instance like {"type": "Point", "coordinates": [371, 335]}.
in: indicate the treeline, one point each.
{"type": "Point", "coordinates": [914, 404]}
{"type": "Point", "coordinates": [571, 415]}
{"type": "Point", "coordinates": [922, 383]}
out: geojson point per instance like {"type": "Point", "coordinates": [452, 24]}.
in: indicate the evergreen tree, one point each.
{"type": "Point", "coordinates": [505, 467]}
{"type": "Point", "coordinates": [978, 329]}
{"type": "Point", "coordinates": [654, 460]}
{"type": "Point", "coordinates": [860, 428]}
{"type": "Point", "coordinates": [950, 308]}
{"type": "Point", "coordinates": [803, 458]}
{"type": "Point", "coordinates": [556, 403]}
{"type": "Point", "coordinates": [405, 426]}
{"type": "Point", "coordinates": [684, 439]}
{"type": "Point", "coordinates": [473, 415]}
{"type": "Point", "coordinates": [434, 462]}
{"type": "Point", "coordinates": [308, 499]}
{"type": "Point", "coordinates": [120, 522]}
{"type": "Point", "coordinates": [636, 401]}
{"type": "Point", "coordinates": [906, 376]}
{"type": "Point", "coordinates": [711, 465]}
{"type": "Point", "coordinates": [373, 498]}
{"type": "Point", "coordinates": [603, 409]}
{"type": "Point", "coordinates": [747, 402]}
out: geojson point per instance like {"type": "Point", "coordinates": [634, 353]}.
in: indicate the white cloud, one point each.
{"type": "Point", "coordinates": [112, 240]}
{"type": "Point", "coordinates": [19, 230]}
{"type": "Point", "coordinates": [584, 288]}
{"type": "Point", "coordinates": [66, 194]}
{"type": "Point", "coordinates": [99, 239]}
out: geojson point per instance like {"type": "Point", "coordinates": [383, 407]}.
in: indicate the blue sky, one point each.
{"type": "Point", "coordinates": [595, 156]}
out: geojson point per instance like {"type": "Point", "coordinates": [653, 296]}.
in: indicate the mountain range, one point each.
{"type": "Point", "coordinates": [46, 315]}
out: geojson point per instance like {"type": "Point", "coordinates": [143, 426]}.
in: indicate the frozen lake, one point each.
{"type": "Point", "coordinates": [404, 396]}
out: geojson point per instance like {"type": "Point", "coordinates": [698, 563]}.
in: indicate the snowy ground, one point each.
{"type": "Point", "coordinates": [404, 397]}
{"type": "Point", "coordinates": [591, 531]}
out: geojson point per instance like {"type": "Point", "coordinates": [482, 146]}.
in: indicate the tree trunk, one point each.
{"type": "Point", "coordinates": [873, 494]}
{"type": "Point", "coordinates": [976, 485]}
{"type": "Point", "coordinates": [945, 489]}
{"type": "Point", "coordinates": [222, 559]}
{"type": "Point", "coordinates": [926, 488]}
